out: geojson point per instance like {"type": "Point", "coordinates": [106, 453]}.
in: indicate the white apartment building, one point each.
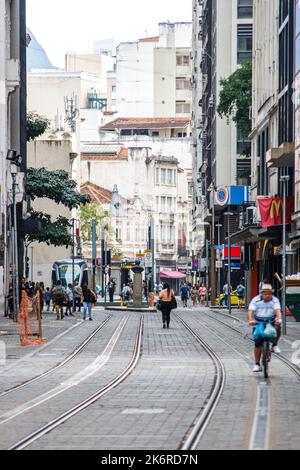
{"type": "Point", "coordinates": [153, 74]}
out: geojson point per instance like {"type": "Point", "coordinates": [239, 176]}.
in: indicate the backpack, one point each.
{"type": "Point", "coordinates": [59, 294]}
{"type": "Point", "coordinates": [240, 290]}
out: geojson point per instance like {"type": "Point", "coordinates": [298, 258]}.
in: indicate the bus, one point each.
{"type": "Point", "coordinates": [63, 271]}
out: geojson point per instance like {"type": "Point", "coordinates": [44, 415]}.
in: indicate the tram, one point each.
{"type": "Point", "coordinates": [63, 271]}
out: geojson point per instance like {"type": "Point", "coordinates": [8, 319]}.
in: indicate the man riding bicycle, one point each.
{"type": "Point", "coordinates": [265, 307]}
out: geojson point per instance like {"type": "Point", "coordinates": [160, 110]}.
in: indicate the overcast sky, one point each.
{"type": "Point", "coordinates": [69, 25]}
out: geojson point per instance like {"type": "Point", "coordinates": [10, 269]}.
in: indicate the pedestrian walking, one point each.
{"type": "Point", "coordinates": [203, 295]}
{"type": "Point", "coordinates": [77, 297]}
{"type": "Point", "coordinates": [227, 291]}
{"type": "Point", "coordinates": [241, 294]}
{"type": "Point", "coordinates": [89, 298]}
{"type": "Point", "coordinates": [194, 296]}
{"type": "Point", "coordinates": [70, 300]}
{"type": "Point", "coordinates": [184, 294]}
{"type": "Point", "coordinates": [111, 290]}
{"type": "Point", "coordinates": [59, 296]}
{"type": "Point", "coordinates": [167, 301]}
{"type": "Point", "coordinates": [48, 298]}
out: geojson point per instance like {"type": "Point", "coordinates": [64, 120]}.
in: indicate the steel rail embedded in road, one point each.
{"type": "Point", "coordinates": [89, 401]}
{"type": "Point", "coordinates": [198, 428]}
{"type": "Point", "coordinates": [66, 361]}
{"type": "Point", "coordinates": [288, 363]}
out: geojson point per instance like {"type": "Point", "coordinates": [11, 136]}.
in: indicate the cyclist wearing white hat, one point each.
{"type": "Point", "coordinates": [265, 307]}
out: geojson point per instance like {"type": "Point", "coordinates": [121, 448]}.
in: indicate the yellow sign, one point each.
{"type": "Point", "coordinates": [128, 267]}
{"type": "Point", "coordinates": [148, 251]}
{"type": "Point", "coordinates": [276, 207]}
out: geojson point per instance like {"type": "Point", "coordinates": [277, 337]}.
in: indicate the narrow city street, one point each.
{"type": "Point", "coordinates": [124, 382]}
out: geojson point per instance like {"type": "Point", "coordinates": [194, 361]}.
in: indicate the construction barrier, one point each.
{"type": "Point", "coordinates": [30, 322]}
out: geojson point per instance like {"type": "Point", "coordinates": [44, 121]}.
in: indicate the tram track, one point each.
{"type": "Point", "coordinates": [36, 435]}
{"type": "Point", "coordinates": [66, 361]}
{"type": "Point", "coordinates": [260, 434]}
{"type": "Point", "coordinates": [194, 435]}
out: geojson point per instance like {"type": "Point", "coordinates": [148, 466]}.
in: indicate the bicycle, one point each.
{"type": "Point", "coordinates": [267, 353]}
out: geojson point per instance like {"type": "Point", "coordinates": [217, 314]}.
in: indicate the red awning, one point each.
{"type": "Point", "coordinates": [172, 275]}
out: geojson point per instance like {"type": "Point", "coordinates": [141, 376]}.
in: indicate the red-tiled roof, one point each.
{"type": "Point", "coordinates": [98, 195]}
{"type": "Point", "coordinates": [147, 123]}
{"type": "Point", "coordinates": [153, 39]}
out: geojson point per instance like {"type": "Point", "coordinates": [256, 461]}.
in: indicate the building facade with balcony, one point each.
{"type": "Point", "coordinates": [150, 168]}
{"type": "Point", "coordinates": [222, 41]}
{"type": "Point", "coordinates": [273, 146]}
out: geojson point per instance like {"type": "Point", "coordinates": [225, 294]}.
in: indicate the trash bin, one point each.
{"type": "Point", "coordinates": [293, 301]}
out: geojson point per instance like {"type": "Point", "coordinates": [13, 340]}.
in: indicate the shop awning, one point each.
{"type": "Point", "coordinates": [172, 275]}
{"type": "Point", "coordinates": [253, 235]}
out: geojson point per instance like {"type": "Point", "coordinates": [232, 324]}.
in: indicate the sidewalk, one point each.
{"type": "Point", "coordinates": [52, 330]}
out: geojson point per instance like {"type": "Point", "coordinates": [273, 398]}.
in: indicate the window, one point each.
{"type": "Point", "coordinates": [163, 204]}
{"type": "Point", "coordinates": [163, 176]}
{"type": "Point", "coordinates": [118, 233]}
{"type": "Point", "coordinates": [114, 102]}
{"type": "Point", "coordinates": [157, 203]}
{"type": "Point", "coordinates": [182, 135]}
{"type": "Point", "coordinates": [157, 176]}
{"type": "Point", "coordinates": [155, 134]}
{"type": "Point", "coordinates": [183, 84]}
{"type": "Point", "coordinates": [114, 89]}
{"type": "Point", "coordinates": [245, 8]}
{"type": "Point", "coordinates": [128, 232]}
{"type": "Point", "coordinates": [169, 177]}
{"type": "Point", "coordinates": [183, 107]}
{"type": "Point", "coordinates": [183, 60]}
{"type": "Point", "coordinates": [245, 33]}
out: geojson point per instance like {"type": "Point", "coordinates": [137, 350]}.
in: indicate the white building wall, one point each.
{"type": "Point", "coordinates": [135, 79]}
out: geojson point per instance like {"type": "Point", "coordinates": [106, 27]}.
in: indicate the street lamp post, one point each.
{"type": "Point", "coordinates": [219, 226]}
{"type": "Point", "coordinates": [212, 189]}
{"type": "Point", "coordinates": [228, 214]}
{"type": "Point", "coordinates": [284, 180]}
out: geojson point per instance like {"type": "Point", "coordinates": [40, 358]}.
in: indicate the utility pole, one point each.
{"type": "Point", "coordinates": [213, 252]}
{"type": "Point", "coordinates": [284, 180]}
{"type": "Point", "coordinates": [207, 261]}
{"type": "Point", "coordinates": [228, 214]}
{"type": "Point", "coordinates": [73, 261]}
{"type": "Point", "coordinates": [219, 226]}
{"type": "Point", "coordinates": [94, 250]}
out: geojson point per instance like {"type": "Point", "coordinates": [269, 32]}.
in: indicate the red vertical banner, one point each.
{"type": "Point", "coordinates": [271, 211]}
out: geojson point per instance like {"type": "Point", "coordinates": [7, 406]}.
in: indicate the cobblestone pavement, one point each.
{"type": "Point", "coordinates": [155, 407]}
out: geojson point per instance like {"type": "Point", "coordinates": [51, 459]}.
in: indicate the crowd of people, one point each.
{"type": "Point", "coordinates": [63, 301]}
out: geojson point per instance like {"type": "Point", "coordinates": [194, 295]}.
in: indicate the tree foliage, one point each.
{"type": "Point", "coordinates": [53, 233]}
{"type": "Point", "coordinates": [89, 212]}
{"type": "Point", "coordinates": [236, 98]}
{"type": "Point", "coordinates": [54, 185]}
{"type": "Point", "coordinates": [36, 125]}
{"type": "Point", "coordinates": [59, 187]}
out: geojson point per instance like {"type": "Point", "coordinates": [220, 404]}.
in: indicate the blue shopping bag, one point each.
{"type": "Point", "coordinates": [259, 333]}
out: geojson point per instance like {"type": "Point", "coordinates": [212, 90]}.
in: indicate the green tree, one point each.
{"type": "Point", "coordinates": [236, 98]}
{"type": "Point", "coordinates": [57, 186]}
{"type": "Point", "coordinates": [89, 212]}
{"type": "Point", "coordinates": [36, 125]}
